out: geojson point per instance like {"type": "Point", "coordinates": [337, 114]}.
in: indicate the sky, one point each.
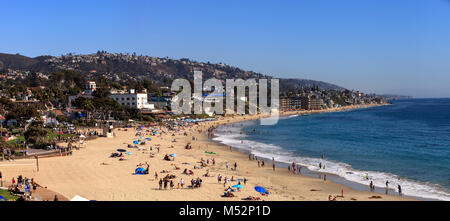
{"type": "Point", "coordinates": [374, 46]}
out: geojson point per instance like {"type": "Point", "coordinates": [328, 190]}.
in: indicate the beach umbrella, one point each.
{"type": "Point", "coordinates": [173, 155]}
{"type": "Point", "coordinates": [260, 189]}
{"type": "Point", "coordinates": [148, 138]}
{"type": "Point", "coordinates": [238, 186]}
{"type": "Point", "coordinates": [78, 198]}
{"type": "Point", "coordinates": [136, 142]}
{"type": "Point", "coordinates": [121, 150]}
{"type": "Point", "coordinates": [128, 153]}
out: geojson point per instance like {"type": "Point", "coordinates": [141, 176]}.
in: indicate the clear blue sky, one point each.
{"type": "Point", "coordinates": [382, 46]}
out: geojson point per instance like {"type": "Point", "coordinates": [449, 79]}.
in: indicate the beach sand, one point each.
{"type": "Point", "coordinates": [92, 174]}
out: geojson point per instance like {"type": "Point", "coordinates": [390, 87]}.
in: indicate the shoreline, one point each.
{"type": "Point", "coordinates": [319, 174]}
{"type": "Point", "coordinates": [92, 174]}
{"type": "Point", "coordinates": [331, 176]}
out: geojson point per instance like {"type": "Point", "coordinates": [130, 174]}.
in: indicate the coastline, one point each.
{"type": "Point", "coordinates": [90, 172]}
{"type": "Point", "coordinates": [233, 139]}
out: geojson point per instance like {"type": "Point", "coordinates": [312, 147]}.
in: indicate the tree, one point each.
{"type": "Point", "coordinates": [101, 92]}
{"type": "Point", "coordinates": [62, 118]}
{"type": "Point", "coordinates": [35, 133]}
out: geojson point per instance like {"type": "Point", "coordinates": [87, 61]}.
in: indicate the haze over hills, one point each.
{"type": "Point", "coordinates": [118, 66]}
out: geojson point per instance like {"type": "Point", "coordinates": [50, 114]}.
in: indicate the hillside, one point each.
{"type": "Point", "coordinates": [16, 61]}
{"type": "Point", "coordinates": [159, 70]}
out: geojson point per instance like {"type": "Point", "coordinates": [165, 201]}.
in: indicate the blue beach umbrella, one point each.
{"type": "Point", "coordinates": [260, 189]}
{"type": "Point", "coordinates": [136, 142]}
{"type": "Point", "coordinates": [173, 155]}
{"type": "Point", "coordinates": [238, 186]}
{"type": "Point", "coordinates": [148, 138]}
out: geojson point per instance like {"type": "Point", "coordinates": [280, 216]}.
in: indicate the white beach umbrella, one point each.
{"type": "Point", "coordinates": [78, 198]}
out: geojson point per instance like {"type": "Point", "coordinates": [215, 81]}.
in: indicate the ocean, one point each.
{"type": "Point", "coordinates": [407, 143]}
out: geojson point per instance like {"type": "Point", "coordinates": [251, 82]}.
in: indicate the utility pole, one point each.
{"type": "Point", "coordinates": [37, 162]}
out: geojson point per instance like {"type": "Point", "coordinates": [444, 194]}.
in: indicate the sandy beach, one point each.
{"type": "Point", "coordinates": [91, 173]}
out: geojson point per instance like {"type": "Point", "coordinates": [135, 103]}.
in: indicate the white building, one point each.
{"type": "Point", "coordinates": [133, 99]}
{"type": "Point", "coordinates": [90, 87]}
{"type": "Point", "coordinates": [87, 93]}
{"type": "Point", "coordinates": [130, 99]}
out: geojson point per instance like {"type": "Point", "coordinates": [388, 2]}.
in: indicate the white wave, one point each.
{"type": "Point", "coordinates": [231, 135]}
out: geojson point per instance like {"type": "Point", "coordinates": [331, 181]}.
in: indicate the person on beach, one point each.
{"type": "Point", "coordinates": [160, 184]}
{"type": "Point", "coordinates": [182, 183]}
{"type": "Point", "coordinates": [165, 183]}
{"type": "Point", "coordinates": [399, 190]}
{"type": "Point", "coordinates": [371, 186]}
{"type": "Point", "coordinates": [387, 187]}
{"type": "Point", "coordinates": [235, 166]}
{"type": "Point", "coordinates": [219, 178]}
{"type": "Point", "coordinates": [226, 165]}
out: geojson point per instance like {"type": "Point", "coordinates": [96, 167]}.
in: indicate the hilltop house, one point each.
{"type": "Point", "coordinates": [130, 98]}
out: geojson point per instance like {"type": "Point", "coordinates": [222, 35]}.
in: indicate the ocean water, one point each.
{"type": "Point", "coordinates": [407, 143]}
